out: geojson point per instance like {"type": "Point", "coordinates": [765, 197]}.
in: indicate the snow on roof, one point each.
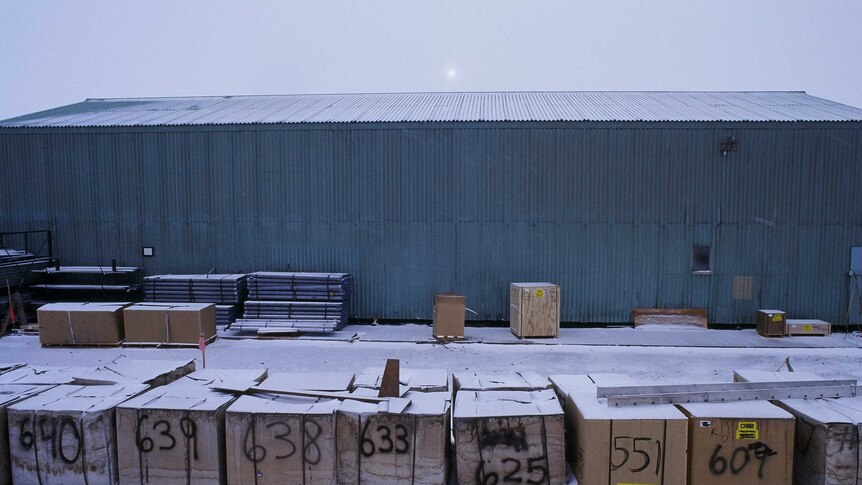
{"type": "Point", "coordinates": [443, 107]}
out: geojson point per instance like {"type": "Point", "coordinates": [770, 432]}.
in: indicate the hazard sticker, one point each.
{"type": "Point", "coordinates": [747, 430]}
{"type": "Point", "coordinates": [776, 318]}
{"type": "Point", "coordinates": [808, 328]}
{"type": "Point", "coordinates": [540, 293]}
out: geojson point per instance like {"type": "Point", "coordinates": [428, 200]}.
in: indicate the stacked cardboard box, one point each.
{"type": "Point", "coordinates": [81, 323]}
{"type": "Point", "coordinates": [175, 433]}
{"type": "Point", "coordinates": [642, 444]}
{"type": "Point", "coordinates": [169, 323]}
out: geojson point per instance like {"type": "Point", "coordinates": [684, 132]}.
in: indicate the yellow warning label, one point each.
{"type": "Point", "coordinates": [776, 318]}
{"type": "Point", "coordinates": [808, 328]}
{"type": "Point", "coordinates": [747, 430]}
{"type": "Point", "coordinates": [618, 483]}
{"type": "Point", "coordinates": [540, 293]}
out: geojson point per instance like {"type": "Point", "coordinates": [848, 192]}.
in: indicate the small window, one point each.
{"type": "Point", "coordinates": [700, 260]}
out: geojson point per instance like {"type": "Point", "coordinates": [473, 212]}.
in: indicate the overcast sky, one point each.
{"type": "Point", "coordinates": [56, 52]}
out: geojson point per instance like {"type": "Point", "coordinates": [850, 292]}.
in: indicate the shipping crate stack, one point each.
{"type": "Point", "coordinates": [226, 291]}
{"type": "Point", "coordinates": [296, 302]}
{"type": "Point", "coordinates": [607, 444]}
{"type": "Point", "coordinates": [508, 435]}
{"type": "Point", "coordinates": [61, 423]}
{"type": "Point", "coordinates": [274, 436]}
{"type": "Point", "coordinates": [175, 433]}
{"type": "Point", "coordinates": [401, 440]}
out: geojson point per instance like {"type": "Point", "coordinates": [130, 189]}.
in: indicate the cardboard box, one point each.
{"type": "Point", "coordinates": [175, 434]}
{"type": "Point", "coordinates": [638, 444]}
{"type": "Point", "coordinates": [501, 381]}
{"type": "Point", "coordinates": [771, 323]}
{"type": "Point", "coordinates": [120, 370]}
{"type": "Point", "coordinates": [81, 323]}
{"type": "Point", "coordinates": [449, 315]}
{"type": "Point", "coordinates": [504, 436]}
{"type": "Point", "coordinates": [174, 323]}
{"type": "Point", "coordinates": [273, 438]}
{"type": "Point", "coordinates": [377, 444]}
{"type": "Point", "coordinates": [11, 394]}
{"type": "Point", "coordinates": [739, 443]}
{"type": "Point", "coordinates": [534, 309]}
{"type": "Point", "coordinates": [66, 435]}
{"type": "Point", "coordinates": [419, 380]}
{"type": "Point", "coordinates": [808, 327]}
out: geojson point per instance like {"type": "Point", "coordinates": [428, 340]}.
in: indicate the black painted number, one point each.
{"type": "Point", "coordinates": [387, 442]}
{"type": "Point", "coordinates": [740, 458]}
{"type": "Point", "coordinates": [639, 446]}
{"type": "Point", "coordinates": [536, 472]}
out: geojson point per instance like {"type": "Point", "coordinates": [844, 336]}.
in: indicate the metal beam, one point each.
{"type": "Point", "coordinates": [725, 392]}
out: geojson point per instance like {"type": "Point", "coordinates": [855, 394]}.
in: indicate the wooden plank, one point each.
{"type": "Point", "coordinates": [390, 385]}
{"type": "Point", "coordinates": [670, 316]}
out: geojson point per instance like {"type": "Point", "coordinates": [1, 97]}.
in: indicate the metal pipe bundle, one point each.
{"type": "Point", "coordinates": [223, 289]}
{"type": "Point", "coordinates": [307, 302]}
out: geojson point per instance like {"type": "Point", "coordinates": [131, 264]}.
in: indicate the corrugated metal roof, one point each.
{"type": "Point", "coordinates": [441, 107]}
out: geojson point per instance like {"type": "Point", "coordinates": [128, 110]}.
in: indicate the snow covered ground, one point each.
{"type": "Point", "coordinates": [692, 359]}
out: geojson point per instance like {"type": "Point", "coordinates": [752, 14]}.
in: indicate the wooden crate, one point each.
{"type": "Point", "coordinates": [630, 444]}
{"type": "Point", "coordinates": [448, 315]}
{"type": "Point", "coordinates": [534, 309]}
{"type": "Point", "coordinates": [277, 439]}
{"type": "Point", "coordinates": [174, 434]}
{"type": "Point", "coordinates": [509, 436]}
{"type": "Point", "coordinates": [808, 327]}
{"type": "Point", "coordinates": [771, 323]}
{"type": "Point", "coordinates": [406, 447]}
{"type": "Point", "coordinates": [689, 317]}
{"type": "Point", "coordinates": [66, 435]}
{"type": "Point", "coordinates": [739, 443]}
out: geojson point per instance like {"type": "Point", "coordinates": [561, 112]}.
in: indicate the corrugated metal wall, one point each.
{"type": "Point", "coordinates": [610, 211]}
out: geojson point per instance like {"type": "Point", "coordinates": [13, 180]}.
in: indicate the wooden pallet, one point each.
{"type": "Point", "coordinates": [179, 345]}
{"type": "Point", "coordinates": [86, 344]}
